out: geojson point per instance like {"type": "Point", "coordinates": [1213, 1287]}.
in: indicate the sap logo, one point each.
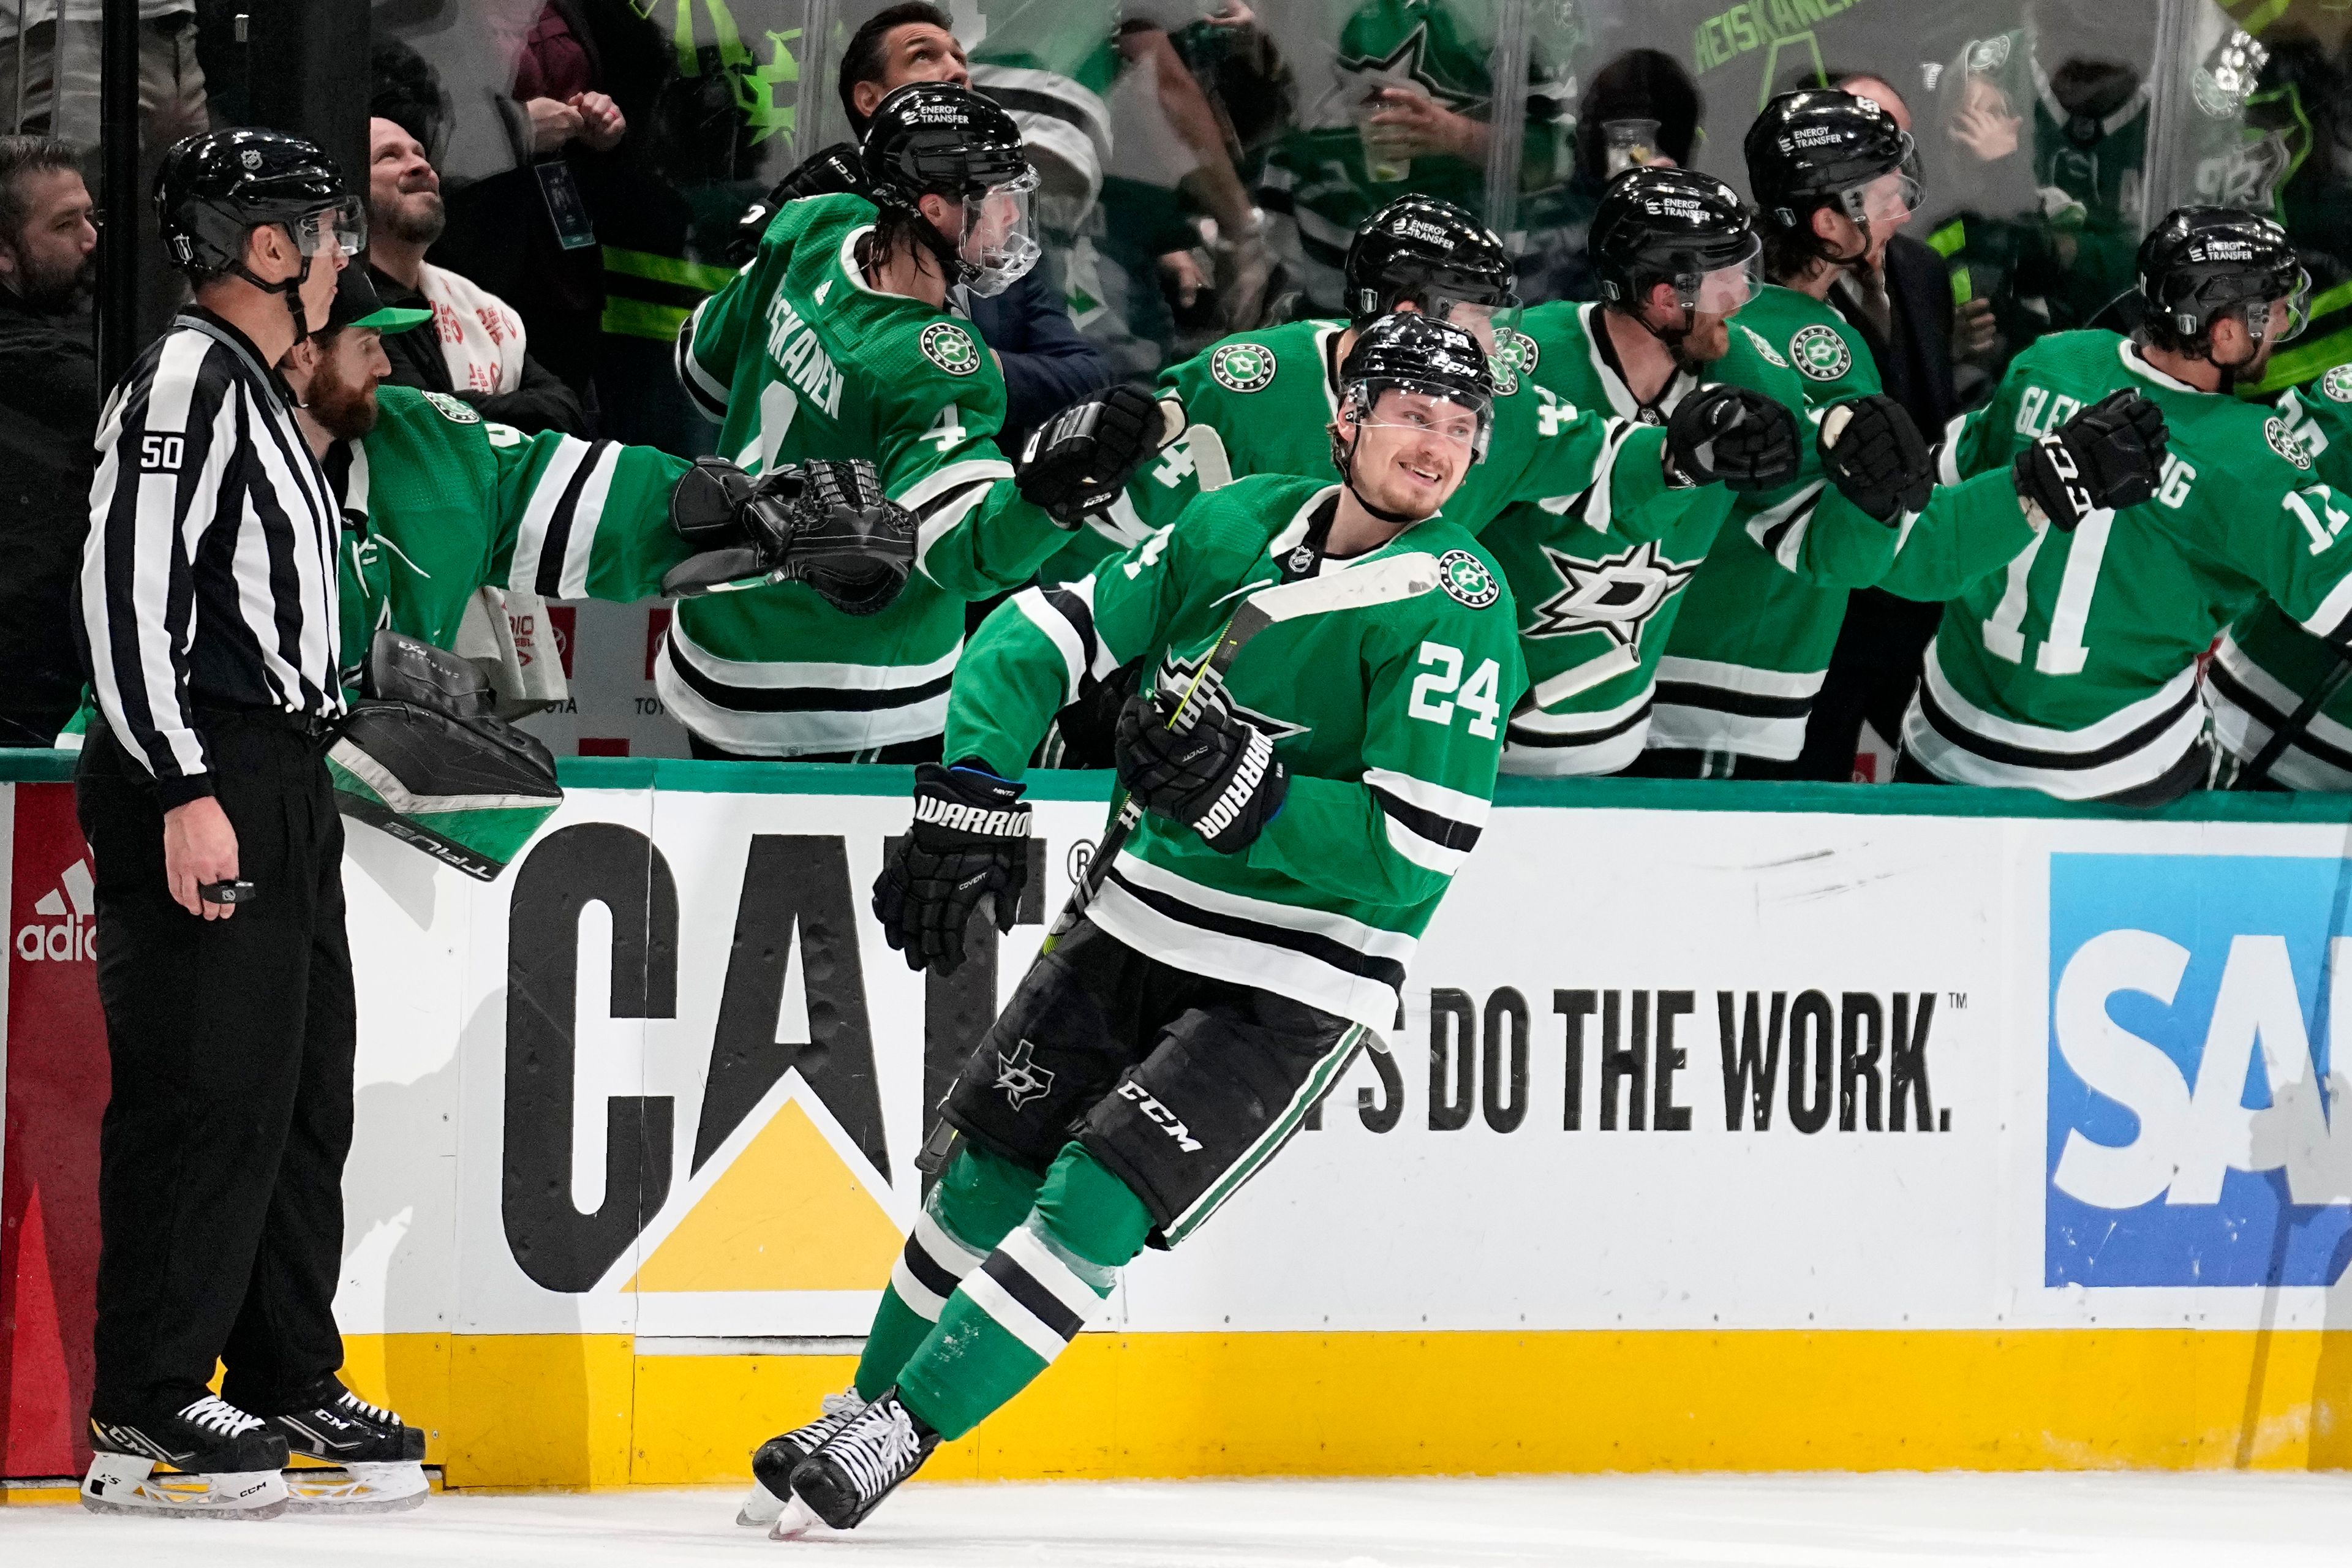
{"type": "Point", "coordinates": [2197, 1004]}
{"type": "Point", "coordinates": [69, 905]}
{"type": "Point", "coordinates": [1166, 1120]}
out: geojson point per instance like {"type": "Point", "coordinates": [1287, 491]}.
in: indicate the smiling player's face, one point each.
{"type": "Point", "coordinates": [1412, 452]}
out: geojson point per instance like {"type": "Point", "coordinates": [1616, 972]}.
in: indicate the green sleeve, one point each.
{"type": "Point", "coordinates": [2294, 544]}
{"type": "Point", "coordinates": [709, 343]}
{"type": "Point", "coordinates": [1031, 656]}
{"type": "Point", "coordinates": [936, 452]}
{"type": "Point", "coordinates": [1967, 530]}
{"type": "Point", "coordinates": [1432, 743]}
{"type": "Point", "coordinates": [577, 520]}
{"type": "Point", "coordinates": [2321, 426]}
{"type": "Point", "coordinates": [1615, 468]}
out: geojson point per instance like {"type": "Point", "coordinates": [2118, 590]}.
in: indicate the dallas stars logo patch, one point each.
{"type": "Point", "coordinates": [950, 348]}
{"type": "Point", "coordinates": [1616, 595]}
{"type": "Point", "coordinates": [2284, 443]}
{"type": "Point", "coordinates": [1515, 355]}
{"type": "Point", "coordinates": [1020, 1076]}
{"type": "Point", "coordinates": [2337, 384]}
{"type": "Point", "coordinates": [1242, 367]}
{"type": "Point", "coordinates": [1764, 350]}
{"type": "Point", "coordinates": [1821, 354]}
{"type": "Point", "coordinates": [451, 409]}
{"type": "Point", "coordinates": [1465, 577]}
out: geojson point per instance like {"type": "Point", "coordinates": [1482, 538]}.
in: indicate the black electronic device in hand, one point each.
{"type": "Point", "coordinates": [238, 892]}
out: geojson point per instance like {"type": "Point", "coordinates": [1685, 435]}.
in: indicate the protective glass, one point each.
{"type": "Point", "coordinates": [342, 228]}
{"type": "Point", "coordinates": [1892, 196]}
{"type": "Point", "coordinates": [1493, 326]}
{"type": "Point", "coordinates": [1723, 291]}
{"type": "Point", "coordinates": [2282, 321]}
{"type": "Point", "coordinates": [1426, 409]}
{"type": "Point", "coordinates": [1000, 235]}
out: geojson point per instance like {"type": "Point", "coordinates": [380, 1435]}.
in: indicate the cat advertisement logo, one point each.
{"type": "Point", "coordinates": [780, 1184]}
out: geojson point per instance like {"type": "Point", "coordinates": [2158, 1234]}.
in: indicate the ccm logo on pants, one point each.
{"type": "Point", "coordinates": [1167, 1119]}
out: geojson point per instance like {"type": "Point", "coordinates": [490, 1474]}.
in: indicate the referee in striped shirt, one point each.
{"type": "Point", "coordinates": [208, 613]}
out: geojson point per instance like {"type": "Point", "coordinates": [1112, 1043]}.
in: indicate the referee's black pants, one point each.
{"type": "Point", "coordinates": [221, 1157]}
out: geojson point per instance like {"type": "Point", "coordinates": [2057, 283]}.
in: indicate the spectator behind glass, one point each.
{"type": "Point", "coordinates": [1641, 109]}
{"type": "Point", "coordinates": [1903, 307]}
{"type": "Point", "coordinates": [477, 349]}
{"type": "Point", "coordinates": [48, 416]}
{"type": "Point", "coordinates": [1047, 364]}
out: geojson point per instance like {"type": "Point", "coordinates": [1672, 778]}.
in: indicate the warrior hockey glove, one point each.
{"type": "Point", "coordinates": [827, 525]}
{"type": "Point", "coordinates": [1876, 455]}
{"type": "Point", "coordinates": [2108, 457]}
{"type": "Point", "coordinates": [1730, 436]}
{"type": "Point", "coordinates": [970, 840]}
{"type": "Point", "coordinates": [1212, 770]}
{"type": "Point", "coordinates": [1079, 459]}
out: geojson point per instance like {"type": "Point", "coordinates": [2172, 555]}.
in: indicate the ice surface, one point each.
{"type": "Point", "coordinates": [2204, 1519]}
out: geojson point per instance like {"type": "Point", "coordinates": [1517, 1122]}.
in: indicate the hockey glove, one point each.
{"type": "Point", "coordinates": [823, 174]}
{"type": "Point", "coordinates": [2108, 457]}
{"type": "Point", "coordinates": [1079, 459]}
{"type": "Point", "coordinates": [826, 525]}
{"type": "Point", "coordinates": [970, 841]}
{"type": "Point", "coordinates": [1730, 436]}
{"type": "Point", "coordinates": [1212, 770]}
{"type": "Point", "coordinates": [1876, 457]}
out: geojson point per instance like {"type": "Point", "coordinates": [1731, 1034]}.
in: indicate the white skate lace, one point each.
{"type": "Point", "coordinates": [353, 1405]}
{"type": "Point", "coordinates": [877, 1451]}
{"type": "Point", "coordinates": [835, 1413]}
{"type": "Point", "coordinates": [215, 1415]}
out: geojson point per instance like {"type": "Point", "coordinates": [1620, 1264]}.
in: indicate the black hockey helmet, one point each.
{"type": "Point", "coordinates": [2202, 262]}
{"type": "Point", "coordinates": [217, 186]}
{"type": "Point", "coordinates": [934, 138]}
{"type": "Point", "coordinates": [1657, 224]}
{"type": "Point", "coordinates": [1430, 254]}
{"type": "Point", "coordinates": [1414, 353]}
{"type": "Point", "coordinates": [1826, 146]}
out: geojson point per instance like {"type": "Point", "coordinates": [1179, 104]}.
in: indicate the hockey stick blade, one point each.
{"type": "Point", "coordinates": [1389, 581]}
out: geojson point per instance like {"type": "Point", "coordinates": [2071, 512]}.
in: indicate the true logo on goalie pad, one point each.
{"type": "Point", "coordinates": [1465, 577]}
{"type": "Point", "coordinates": [1018, 1075]}
{"type": "Point", "coordinates": [1242, 367]}
{"type": "Point", "coordinates": [950, 347]}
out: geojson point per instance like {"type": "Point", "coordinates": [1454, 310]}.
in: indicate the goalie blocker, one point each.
{"type": "Point", "coordinates": [422, 757]}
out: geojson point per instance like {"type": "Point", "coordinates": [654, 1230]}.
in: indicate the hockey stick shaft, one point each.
{"type": "Point", "coordinates": [2288, 733]}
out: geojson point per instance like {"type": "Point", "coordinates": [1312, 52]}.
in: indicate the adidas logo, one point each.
{"type": "Point", "coordinates": [71, 905]}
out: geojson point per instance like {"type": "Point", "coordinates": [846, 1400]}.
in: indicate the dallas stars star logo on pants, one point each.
{"type": "Point", "coordinates": [1018, 1075]}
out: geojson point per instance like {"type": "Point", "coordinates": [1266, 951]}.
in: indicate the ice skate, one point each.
{"type": "Point", "coordinates": [863, 1463]}
{"type": "Point", "coordinates": [218, 1463]}
{"type": "Point", "coordinates": [380, 1456]}
{"type": "Point", "coordinates": [772, 1468]}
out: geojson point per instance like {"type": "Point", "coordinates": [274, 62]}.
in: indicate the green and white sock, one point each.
{"type": "Point", "coordinates": [978, 1198]}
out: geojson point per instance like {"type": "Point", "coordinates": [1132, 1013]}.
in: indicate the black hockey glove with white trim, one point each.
{"type": "Point", "coordinates": [1212, 770]}
{"type": "Point", "coordinates": [826, 524]}
{"type": "Point", "coordinates": [970, 841]}
{"type": "Point", "coordinates": [835, 169]}
{"type": "Point", "coordinates": [2109, 456]}
{"type": "Point", "coordinates": [1079, 459]}
{"type": "Point", "coordinates": [1733, 437]}
{"type": "Point", "coordinates": [1876, 457]}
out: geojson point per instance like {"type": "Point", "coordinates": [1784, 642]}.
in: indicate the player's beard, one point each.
{"type": "Point", "coordinates": [342, 409]}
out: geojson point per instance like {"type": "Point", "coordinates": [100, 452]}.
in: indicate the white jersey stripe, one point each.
{"type": "Point", "coordinates": [531, 533]}
{"type": "Point", "coordinates": [587, 510]}
{"type": "Point", "coordinates": [1011, 1316]}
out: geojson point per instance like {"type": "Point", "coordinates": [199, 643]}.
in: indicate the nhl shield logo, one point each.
{"type": "Point", "coordinates": [1821, 354]}
{"type": "Point", "coordinates": [950, 348]}
{"type": "Point", "coordinates": [1465, 577]}
{"type": "Point", "coordinates": [2336, 384]}
{"type": "Point", "coordinates": [2284, 443]}
{"type": "Point", "coordinates": [1242, 367]}
{"type": "Point", "coordinates": [1019, 1076]}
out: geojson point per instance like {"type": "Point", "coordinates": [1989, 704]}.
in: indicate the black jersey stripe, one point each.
{"type": "Point", "coordinates": [1072, 609]}
{"type": "Point", "coordinates": [2267, 714]}
{"type": "Point", "coordinates": [2016, 756]}
{"type": "Point", "coordinates": [803, 698]}
{"type": "Point", "coordinates": [1722, 699]}
{"type": "Point", "coordinates": [1305, 944]}
{"type": "Point", "coordinates": [1430, 825]}
{"type": "Point", "coordinates": [1040, 1303]}
{"type": "Point", "coordinates": [556, 544]}
{"type": "Point", "coordinates": [1524, 737]}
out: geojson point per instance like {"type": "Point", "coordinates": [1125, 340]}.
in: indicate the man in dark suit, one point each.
{"type": "Point", "coordinates": [1903, 310]}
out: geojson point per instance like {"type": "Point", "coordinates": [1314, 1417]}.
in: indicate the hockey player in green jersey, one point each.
{"type": "Point", "coordinates": [2267, 666]}
{"type": "Point", "coordinates": [1676, 253]}
{"type": "Point", "coordinates": [835, 342]}
{"type": "Point", "coordinates": [1297, 835]}
{"type": "Point", "coordinates": [1834, 177]}
{"type": "Point", "coordinates": [2075, 671]}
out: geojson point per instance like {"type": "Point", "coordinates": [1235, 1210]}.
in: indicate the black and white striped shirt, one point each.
{"type": "Point", "coordinates": [209, 577]}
